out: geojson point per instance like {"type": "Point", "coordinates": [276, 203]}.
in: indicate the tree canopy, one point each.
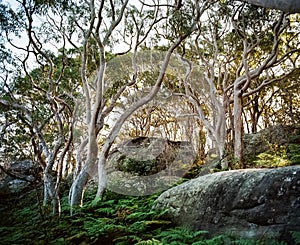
{"type": "Point", "coordinates": [79, 76]}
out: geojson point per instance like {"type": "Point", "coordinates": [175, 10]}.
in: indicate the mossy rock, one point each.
{"type": "Point", "coordinates": [145, 156]}
{"type": "Point", "coordinates": [281, 142]}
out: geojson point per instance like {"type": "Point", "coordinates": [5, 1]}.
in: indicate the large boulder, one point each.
{"type": "Point", "coordinates": [149, 155]}
{"type": "Point", "coordinates": [145, 165]}
{"type": "Point", "coordinates": [271, 139]}
{"type": "Point", "coordinates": [18, 177]}
{"type": "Point", "coordinates": [251, 203]}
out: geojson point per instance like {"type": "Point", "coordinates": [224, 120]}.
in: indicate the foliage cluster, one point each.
{"type": "Point", "coordinates": [117, 219]}
{"type": "Point", "coordinates": [138, 167]}
{"type": "Point", "coordinates": [280, 155]}
{"type": "Point", "coordinates": [275, 157]}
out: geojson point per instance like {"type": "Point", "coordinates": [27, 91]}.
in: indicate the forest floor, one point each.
{"type": "Point", "coordinates": [117, 219]}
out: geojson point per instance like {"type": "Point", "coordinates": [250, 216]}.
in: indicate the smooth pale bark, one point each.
{"type": "Point", "coordinates": [238, 123]}
{"type": "Point", "coordinates": [78, 185]}
{"type": "Point", "coordinates": [50, 186]}
{"type": "Point", "coordinates": [79, 159]}
{"type": "Point", "coordinates": [287, 6]}
{"type": "Point", "coordinates": [94, 108]}
{"type": "Point", "coordinates": [52, 192]}
{"type": "Point", "coordinates": [77, 189]}
{"type": "Point", "coordinates": [216, 123]}
{"type": "Point", "coordinates": [243, 81]}
{"type": "Point", "coordinates": [221, 137]}
{"type": "Point", "coordinates": [130, 110]}
{"type": "Point", "coordinates": [217, 128]}
{"type": "Point", "coordinates": [115, 130]}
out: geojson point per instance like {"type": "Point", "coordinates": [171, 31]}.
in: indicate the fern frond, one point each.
{"type": "Point", "coordinates": [106, 211]}
{"type": "Point", "coordinates": [296, 236]}
{"type": "Point", "coordinates": [138, 227]}
{"type": "Point", "coordinates": [181, 235]}
{"type": "Point", "coordinates": [150, 242]}
{"type": "Point", "coordinates": [127, 239]}
{"type": "Point", "coordinates": [199, 233]}
{"type": "Point", "coordinates": [140, 215]}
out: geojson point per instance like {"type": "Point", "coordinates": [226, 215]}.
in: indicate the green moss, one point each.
{"type": "Point", "coordinates": [133, 166]}
{"type": "Point", "coordinates": [293, 153]}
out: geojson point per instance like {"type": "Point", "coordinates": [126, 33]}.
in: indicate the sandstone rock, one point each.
{"type": "Point", "coordinates": [21, 176]}
{"type": "Point", "coordinates": [261, 141]}
{"type": "Point", "coordinates": [149, 155]}
{"type": "Point", "coordinates": [251, 203]}
{"type": "Point", "coordinates": [146, 165]}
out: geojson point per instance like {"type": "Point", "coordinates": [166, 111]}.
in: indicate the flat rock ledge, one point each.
{"type": "Point", "coordinates": [248, 203]}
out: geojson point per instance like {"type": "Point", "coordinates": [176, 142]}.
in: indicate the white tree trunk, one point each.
{"type": "Point", "coordinates": [216, 124]}
{"type": "Point", "coordinates": [238, 124]}
{"type": "Point", "coordinates": [128, 112]}
{"type": "Point", "coordinates": [98, 112]}
{"type": "Point", "coordinates": [77, 189]}
{"type": "Point", "coordinates": [221, 138]}
{"type": "Point", "coordinates": [51, 191]}
{"type": "Point", "coordinates": [102, 178]}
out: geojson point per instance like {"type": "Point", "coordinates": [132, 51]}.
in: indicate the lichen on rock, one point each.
{"type": "Point", "coordinates": [251, 203]}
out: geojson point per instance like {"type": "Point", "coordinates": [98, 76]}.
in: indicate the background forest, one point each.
{"type": "Point", "coordinates": [80, 77]}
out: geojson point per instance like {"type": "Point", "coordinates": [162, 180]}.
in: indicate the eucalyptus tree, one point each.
{"type": "Point", "coordinates": [74, 44]}
{"type": "Point", "coordinates": [206, 76]}
{"type": "Point", "coordinates": [40, 96]}
{"type": "Point", "coordinates": [58, 32]}
{"type": "Point", "coordinates": [45, 137]}
{"type": "Point", "coordinates": [239, 50]}
{"type": "Point", "coordinates": [279, 104]}
{"type": "Point", "coordinates": [143, 23]}
{"type": "Point", "coordinates": [268, 56]}
{"type": "Point", "coordinates": [159, 118]}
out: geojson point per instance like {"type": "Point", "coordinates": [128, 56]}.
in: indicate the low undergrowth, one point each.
{"type": "Point", "coordinates": [117, 219]}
